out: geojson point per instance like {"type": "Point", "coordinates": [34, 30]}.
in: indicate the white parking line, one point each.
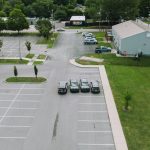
{"type": "Point", "coordinates": [10, 126]}
{"type": "Point", "coordinates": [93, 120]}
{"type": "Point", "coordinates": [19, 116]}
{"type": "Point", "coordinates": [87, 144]}
{"type": "Point", "coordinates": [23, 88]}
{"type": "Point", "coordinates": [92, 111]}
{"type": "Point", "coordinates": [91, 96]}
{"type": "Point", "coordinates": [19, 94]}
{"type": "Point", "coordinates": [16, 108]}
{"type": "Point", "coordinates": [12, 137]}
{"type": "Point", "coordinates": [94, 131]}
{"type": "Point", "coordinates": [92, 104]}
{"type": "Point", "coordinates": [29, 101]}
{"type": "Point", "coordinates": [12, 103]}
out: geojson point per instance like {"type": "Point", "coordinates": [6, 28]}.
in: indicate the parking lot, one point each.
{"type": "Point", "coordinates": [35, 117]}
{"type": "Point", "coordinates": [18, 107]}
{"type": "Point", "coordinates": [85, 124]}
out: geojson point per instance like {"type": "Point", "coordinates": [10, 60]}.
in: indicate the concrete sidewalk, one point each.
{"type": "Point", "coordinates": [118, 135]}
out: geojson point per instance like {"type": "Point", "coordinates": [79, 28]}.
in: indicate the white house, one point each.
{"type": "Point", "coordinates": [77, 20]}
{"type": "Point", "coordinates": [131, 37]}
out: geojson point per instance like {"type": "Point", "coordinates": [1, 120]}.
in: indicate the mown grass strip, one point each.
{"type": "Point", "coordinates": [13, 61]}
{"type": "Point", "coordinates": [30, 56]}
{"type": "Point", "coordinates": [41, 56]}
{"type": "Point", "coordinates": [37, 62]}
{"type": "Point", "coordinates": [26, 79]}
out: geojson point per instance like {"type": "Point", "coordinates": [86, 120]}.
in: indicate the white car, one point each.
{"type": "Point", "coordinates": [90, 41]}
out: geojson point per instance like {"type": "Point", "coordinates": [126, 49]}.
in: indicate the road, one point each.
{"type": "Point", "coordinates": [35, 117]}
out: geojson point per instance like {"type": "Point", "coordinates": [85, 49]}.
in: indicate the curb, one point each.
{"type": "Point", "coordinates": [73, 62]}
{"type": "Point", "coordinates": [118, 135]}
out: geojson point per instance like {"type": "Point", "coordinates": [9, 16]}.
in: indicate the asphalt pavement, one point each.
{"type": "Point", "coordinates": [35, 117]}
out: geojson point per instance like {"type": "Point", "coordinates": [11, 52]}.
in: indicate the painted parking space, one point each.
{"type": "Point", "coordinates": [18, 106]}
{"type": "Point", "coordinates": [93, 125]}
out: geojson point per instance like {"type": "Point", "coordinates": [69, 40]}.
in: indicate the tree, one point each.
{"type": "Point", "coordinates": [60, 14]}
{"type": "Point", "coordinates": [43, 8]}
{"type": "Point", "coordinates": [28, 45]}
{"type": "Point", "coordinates": [15, 71]}
{"type": "Point", "coordinates": [17, 20]}
{"type": "Point", "coordinates": [1, 44]}
{"type": "Point", "coordinates": [144, 8]}
{"type": "Point", "coordinates": [120, 9]}
{"type": "Point", "coordinates": [44, 26]}
{"type": "Point", "coordinates": [35, 71]}
{"type": "Point", "coordinates": [2, 25]}
{"type": "Point", "coordinates": [127, 97]}
{"type": "Point", "coordinates": [2, 14]}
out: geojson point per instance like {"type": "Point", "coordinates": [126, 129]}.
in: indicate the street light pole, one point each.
{"type": "Point", "coordinates": [20, 51]}
{"type": "Point", "coordinates": [99, 17]}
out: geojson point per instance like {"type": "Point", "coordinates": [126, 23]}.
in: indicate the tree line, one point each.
{"type": "Point", "coordinates": [112, 10]}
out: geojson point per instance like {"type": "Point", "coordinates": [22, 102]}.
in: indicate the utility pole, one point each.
{"type": "Point", "coordinates": [20, 50]}
{"type": "Point", "coordinates": [99, 13]}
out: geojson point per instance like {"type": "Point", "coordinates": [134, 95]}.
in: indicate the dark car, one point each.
{"type": "Point", "coordinates": [102, 49]}
{"type": "Point", "coordinates": [95, 87]}
{"type": "Point", "coordinates": [62, 87]}
{"type": "Point", "coordinates": [74, 86]}
{"type": "Point", "coordinates": [84, 85]}
{"type": "Point", "coordinates": [60, 29]}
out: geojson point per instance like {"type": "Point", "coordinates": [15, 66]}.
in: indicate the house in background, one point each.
{"type": "Point", "coordinates": [131, 37]}
{"type": "Point", "coordinates": [77, 20]}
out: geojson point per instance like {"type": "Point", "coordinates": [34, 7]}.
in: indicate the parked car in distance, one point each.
{"type": "Point", "coordinates": [86, 34]}
{"type": "Point", "coordinates": [60, 29]}
{"type": "Point", "coordinates": [95, 87]}
{"type": "Point", "coordinates": [90, 41]}
{"type": "Point", "coordinates": [62, 87]}
{"type": "Point", "coordinates": [102, 49]}
{"type": "Point", "coordinates": [74, 86]}
{"type": "Point", "coordinates": [84, 85]}
{"type": "Point", "coordinates": [90, 35]}
{"type": "Point", "coordinates": [88, 38]}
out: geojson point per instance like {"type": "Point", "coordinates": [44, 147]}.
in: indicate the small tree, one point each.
{"type": "Point", "coordinates": [15, 71]}
{"type": "Point", "coordinates": [28, 45]}
{"type": "Point", "coordinates": [2, 24]}
{"type": "Point", "coordinates": [1, 44]}
{"type": "Point", "coordinates": [127, 97]}
{"type": "Point", "coordinates": [35, 71]}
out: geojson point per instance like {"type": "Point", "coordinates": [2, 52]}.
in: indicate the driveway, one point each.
{"type": "Point", "coordinates": [35, 117]}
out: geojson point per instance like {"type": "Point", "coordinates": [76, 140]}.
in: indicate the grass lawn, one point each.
{"type": "Point", "coordinates": [38, 62]}
{"type": "Point", "coordinates": [13, 61]}
{"type": "Point", "coordinates": [99, 34]}
{"type": "Point", "coordinates": [41, 56]}
{"type": "Point", "coordinates": [26, 79]}
{"type": "Point", "coordinates": [30, 55]}
{"type": "Point", "coordinates": [136, 123]}
{"type": "Point", "coordinates": [111, 59]}
{"type": "Point", "coordinates": [100, 38]}
{"type": "Point", "coordinates": [81, 27]}
{"type": "Point", "coordinates": [84, 62]}
{"type": "Point", "coordinates": [50, 41]}
{"type": "Point", "coordinates": [126, 74]}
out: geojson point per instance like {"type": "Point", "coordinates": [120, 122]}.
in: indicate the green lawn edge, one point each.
{"type": "Point", "coordinates": [30, 56]}
{"type": "Point", "coordinates": [128, 75]}
{"type": "Point", "coordinates": [13, 61]}
{"type": "Point", "coordinates": [25, 79]}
